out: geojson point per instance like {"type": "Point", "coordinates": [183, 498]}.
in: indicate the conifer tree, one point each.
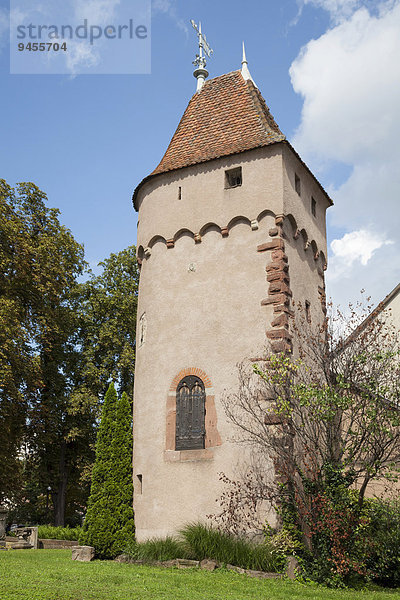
{"type": "Point", "coordinates": [109, 522]}
{"type": "Point", "coordinates": [122, 452]}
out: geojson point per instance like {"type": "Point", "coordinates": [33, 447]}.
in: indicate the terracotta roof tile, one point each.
{"type": "Point", "coordinates": [229, 115]}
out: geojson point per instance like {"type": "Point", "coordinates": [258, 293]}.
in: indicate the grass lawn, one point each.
{"type": "Point", "coordinates": [52, 575]}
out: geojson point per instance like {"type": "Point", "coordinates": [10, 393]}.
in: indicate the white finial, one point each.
{"type": "Point", "coordinates": [244, 60]}
{"type": "Point", "coordinates": [245, 69]}
{"type": "Point", "coordinates": [201, 72]}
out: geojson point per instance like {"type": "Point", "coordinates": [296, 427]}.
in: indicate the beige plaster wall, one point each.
{"type": "Point", "coordinates": [210, 318]}
{"type": "Point", "coordinates": [300, 206]}
{"type": "Point", "coordinates": [204, 197]}
{"type": "Point", "coordinates": [392, 312]}
{"type": "Point", "coordinates": [202, 307]}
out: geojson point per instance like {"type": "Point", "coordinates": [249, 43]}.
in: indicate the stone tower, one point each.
{"type": "Point", "coordinates": [231, 232]}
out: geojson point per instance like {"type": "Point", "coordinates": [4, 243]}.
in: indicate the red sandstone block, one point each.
{"type": "Point", "coordinates": [273, 232]}
{"type": "Point", "coordinates": [278, 276]}
{"type": "Point", "coordinates": [278, 308]}
{"type": "Point", "coordinates": [278, 334]}
{"type": "Point", "coordinates": [279, 255]}
{"type": "Point", "coordinates": [278, 265]}
{"type": "Point", "coordinates": [281, 321]}
{"type": "Point", "coordinates": [276, 299]}
{"type": "Point", "coordinates": [273, 245]}
{"type": "Point", "coordinates": [279, 286]}
{"type": "Point", "coordinates": [278, 346]}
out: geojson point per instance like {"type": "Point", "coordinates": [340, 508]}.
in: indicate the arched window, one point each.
{"type": "Point", "coordinates": [190, 414]}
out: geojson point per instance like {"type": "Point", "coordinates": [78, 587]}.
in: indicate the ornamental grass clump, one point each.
{"type": "Point", "coordinates": [202, 541]}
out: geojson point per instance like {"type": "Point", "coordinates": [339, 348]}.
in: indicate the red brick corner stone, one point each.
{"type": "Point", "coordinates": [279, 292]}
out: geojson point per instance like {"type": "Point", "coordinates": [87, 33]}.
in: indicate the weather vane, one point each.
{"type": "Point", "coordinates": [201, 72]}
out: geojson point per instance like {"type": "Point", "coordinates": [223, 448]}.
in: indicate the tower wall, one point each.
{"type": "Point", "coordinates": [203, 308]}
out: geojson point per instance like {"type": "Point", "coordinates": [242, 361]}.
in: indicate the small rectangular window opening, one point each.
{"type": "Point", "coordinates": [139, 484]}
{"type": "Point", "coordinates": [308, 312]}
{"type": "Point", "coordinates": [233, 178]}
{"type": "Point", "coordinates": [313, 207]}
{"type": "Point", "coordinates": [179, 193]}
{"type": "Point", "coordinates": [297, 185]}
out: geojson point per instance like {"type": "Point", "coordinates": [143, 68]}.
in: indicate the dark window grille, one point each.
{"type": "Point", "coordinates": [233, 178]}
{"type": "Point", "coordinates": [190, 414]}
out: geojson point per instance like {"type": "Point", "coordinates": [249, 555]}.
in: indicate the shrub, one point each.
{"type": "Point", "coordinates": [383, 543]}
{"type": "Point", "coordinates": [48, 532]}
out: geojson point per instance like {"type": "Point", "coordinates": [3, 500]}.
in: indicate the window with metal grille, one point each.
{"type": "Point", "coordinates": [233, 178]}
{"type": "Point", "coordinates": [190, 414]}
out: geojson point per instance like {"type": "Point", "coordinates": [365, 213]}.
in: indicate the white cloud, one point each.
{"type": "Point", "coordinates": [80, 55]}
{"type": "Point", "coordinates": [349, 79]}
{"type": "Point", "coordinates": [97, 12]}
{"type": "Point", "coordinates": [357, 246]}
{"type": "Point", "coordinates": [338, 9]}
{"type": "Point", "coordinates": [169, 8]}
{"type": "Point", "coordinates": [4, 26]}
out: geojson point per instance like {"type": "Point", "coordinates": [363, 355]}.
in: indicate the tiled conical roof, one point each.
{"type": "Point", "coordinates": [227, 116]}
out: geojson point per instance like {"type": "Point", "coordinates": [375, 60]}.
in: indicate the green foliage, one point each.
{"type": "Point", "coordinates": [382, 546]}
{"type": "Point", "coordinates": [197, 542]}
{"type": "Point", "coordinates": [107, 306]}
{"type": "Point", "coordinates": [283, 543]}
{"type": "Point", "coordinates": [109, 522]}
{"type": "Point", "coordinates": [339, 429]}
{"type": "Point", "coordinates": [48, 532]}
{"type": "Point", "coordinates": [202, 541]}
{"type": "Point", "coordinates": [60, 345]}
{"type": "Point", "coordinates": [158, 549]}
{"type": "Point", "coordinates": [39, 263]}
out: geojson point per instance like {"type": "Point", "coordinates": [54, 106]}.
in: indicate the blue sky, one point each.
{"type": "Point", "coordinates": [327, 69]}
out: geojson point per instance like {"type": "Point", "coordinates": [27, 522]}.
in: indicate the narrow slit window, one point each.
{"type": "Point", "coordinates": [308, 311]}
{"type": "Point", "coordinates": [233, 178]}
{"type": "Point", "coordinates": [179, 193]}
{"type": "Point", "coordinates": [313, 207]}
{"type": "Point", "coordinates": [139, 484]}
{"type": "Point", "coordinates": [297, 184]}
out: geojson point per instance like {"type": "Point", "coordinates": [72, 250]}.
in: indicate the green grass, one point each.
{"type": "Point", "coordinates": [52, 575]}
{"type": "Point", "coordinates": [48, 532]}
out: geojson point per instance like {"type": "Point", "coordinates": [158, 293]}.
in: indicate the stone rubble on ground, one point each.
{"type": "Point", "coordinates": [83, 553]}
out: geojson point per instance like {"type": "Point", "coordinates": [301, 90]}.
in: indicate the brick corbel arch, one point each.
{"type": "Point", "coordinates": [212, 438]}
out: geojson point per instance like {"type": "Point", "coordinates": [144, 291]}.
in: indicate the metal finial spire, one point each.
{"type": "Point", "coordinates": [245, 69]}
{"type": "Point", "coordinates": [244, 59]}
{"type": "Point", "coordinates": [201, 72]}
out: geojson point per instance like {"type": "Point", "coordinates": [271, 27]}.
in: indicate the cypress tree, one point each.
{"type": "Point", "coordinates": [123, 476]}
{"type": "Point", "coordinates": [109, 522]}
